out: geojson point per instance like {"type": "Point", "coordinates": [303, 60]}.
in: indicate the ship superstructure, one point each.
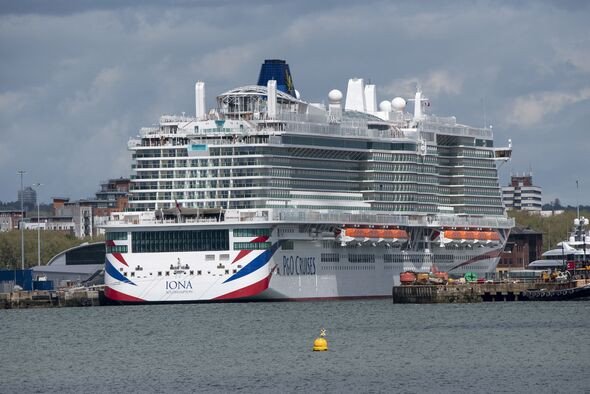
{"type": "Point", "coordinates": [270, 196]}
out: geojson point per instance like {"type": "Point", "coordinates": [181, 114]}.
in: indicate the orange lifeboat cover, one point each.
{"type": "Point", "coordinates": [407, 277]}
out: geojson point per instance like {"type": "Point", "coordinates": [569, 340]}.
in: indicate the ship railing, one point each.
{"type": "Point", "coordinates": [176, 118]}
{"type": "Point", "coordinates": [306, 216]}
{"type": "Point", "coordinates": [449, 126]}
{"type": "Point", "coordinates": [294, 215]}
{"type": "Point", "coordinates": [135, 221]}
{"type": "Point", "coordinates": [343, 130]}
{"type": "Point", "coordinates": [454, 221]}
{"type": "Point", "coordinates": [148, 130]}
{"type": "Point", "coordinates": [133, 143]}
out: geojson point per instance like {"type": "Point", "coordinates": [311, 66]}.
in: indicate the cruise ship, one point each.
{"type": "Point", "coordinates": [270, 197]}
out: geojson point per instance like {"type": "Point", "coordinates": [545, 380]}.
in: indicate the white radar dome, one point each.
{"type": "Point", "coordinates": [398, 103]}
{"type": "Point", "coordinates": [385, 106]}
{"type": "Point", "coordinates": [297, 95]}
{"type": "Point", "coordinates": [335, 95]}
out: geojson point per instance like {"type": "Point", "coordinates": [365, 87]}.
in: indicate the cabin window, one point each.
{"type": "Point", "coordinates": [252, 232]}
{"type": "Point", "coordinates": [116, 236]}
{"type": "Point", "coordinates": [117, 249]}
{"type": "Point", "coordinates": [179, 241]}
{"type": "Point", "coordinates": [251, 245]}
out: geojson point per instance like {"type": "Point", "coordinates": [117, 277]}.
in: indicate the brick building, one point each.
{"type": "Point", "coordinates": [523, 247]}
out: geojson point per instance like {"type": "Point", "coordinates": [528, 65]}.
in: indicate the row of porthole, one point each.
{"type": "Point", "coordinates": [167, 273]}
{"type": "Point", "coordinates": [348, 268]}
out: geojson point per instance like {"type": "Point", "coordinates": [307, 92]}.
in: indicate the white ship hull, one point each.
{"type": "Point", "coordinates": [308, 271]}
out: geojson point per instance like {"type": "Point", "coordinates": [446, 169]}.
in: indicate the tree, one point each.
{"type": "Point", "coordinates": [52, 243]}
{"type": "Point", "coordinates": [555, 228]}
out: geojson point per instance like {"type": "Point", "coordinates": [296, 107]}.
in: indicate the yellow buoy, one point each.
{"type": "Point", "coordinates": [320, 344]}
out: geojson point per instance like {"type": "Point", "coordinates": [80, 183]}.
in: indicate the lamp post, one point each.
{"type": "Point", "coordinates": [22, 220]}
{"type": "Point", "coordinates": [37, 185]}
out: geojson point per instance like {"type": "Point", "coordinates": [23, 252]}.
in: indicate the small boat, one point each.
{"type": "Point", "coordinates": [560, 294]}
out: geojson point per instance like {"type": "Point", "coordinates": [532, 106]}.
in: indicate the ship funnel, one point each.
{"type": "Point", "coordinates": [271, 87]}
{"type": "Point", "coordinates": [200, 100]}
{"type": "Point", "coordinates": [418, 102]}
{"type": "Point", "coordinates": [418, 105]}
{"type": "Point", "coordinates": [277, 70]}
{"type": "Point", "coordinates": [370, 98]}
{"type": "Point", "coordinates": [355, 95]}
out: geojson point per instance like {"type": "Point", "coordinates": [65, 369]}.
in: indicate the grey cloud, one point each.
{"type": "Point", "coordinates": [79, 78]}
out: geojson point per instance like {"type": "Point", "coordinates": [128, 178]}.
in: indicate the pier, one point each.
{"type": "Point", "coordinates": [484, 292]}
{"type": "Point", "coordinates": [52, 299]}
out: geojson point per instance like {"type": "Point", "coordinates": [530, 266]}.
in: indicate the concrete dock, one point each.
{"type": "Point", "coordinates": [475, 292]}
{"type": "Point", "coordinates": [52, 299]}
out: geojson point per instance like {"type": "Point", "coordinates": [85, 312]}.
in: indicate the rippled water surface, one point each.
{"type": "Point", "coordinates": [374, 346]}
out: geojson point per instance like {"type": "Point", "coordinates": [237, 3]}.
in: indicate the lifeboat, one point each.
{"type": "Point", "coordinates": [471, 235]}
{"type": "Point", "coordinates": [407, 277]}
{"type": "Point", "coordinates": [378, 233]}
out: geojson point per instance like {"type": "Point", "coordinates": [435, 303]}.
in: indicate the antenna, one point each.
{"type": "Point", "coordinates": [578, 197]}
{"type": "Point", "coordinates": [485, 120]}
{"type": "Point", "coordinates": [418, 100]}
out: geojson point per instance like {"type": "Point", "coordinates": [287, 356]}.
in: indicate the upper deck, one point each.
{"type": "Point", "coordinates": [266, 148]}
{"type": "Point", "coordinates": [303, 216]}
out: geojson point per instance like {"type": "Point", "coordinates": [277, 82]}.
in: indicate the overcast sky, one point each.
{"type": "Point", "coordinates": [78, 78]}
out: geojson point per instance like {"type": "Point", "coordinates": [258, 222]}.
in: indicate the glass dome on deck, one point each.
{"type": "Point", "coordinates": [250, 102]}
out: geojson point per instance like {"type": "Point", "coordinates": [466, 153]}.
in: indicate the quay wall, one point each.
{"type": "Point", "coordinates": [51, 299]}
{"type": "Point", "coordinates": [470, 292]}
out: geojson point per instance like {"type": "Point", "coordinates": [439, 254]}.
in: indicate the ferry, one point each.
{"type": "Point", "coordinates": [271, 197]}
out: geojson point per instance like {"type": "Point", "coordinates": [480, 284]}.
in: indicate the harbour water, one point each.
{"type": "Point", "coordinates": [374, 346]}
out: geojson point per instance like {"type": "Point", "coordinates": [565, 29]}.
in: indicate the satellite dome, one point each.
{"type": "Point", "coordinates": [398, 103]}
{"type": "Point", "coordinates": [385, 106]}
{"type": "Point", "coordinates": [335, 95]}
{"type": "Point", "coordinates": [297, 95]}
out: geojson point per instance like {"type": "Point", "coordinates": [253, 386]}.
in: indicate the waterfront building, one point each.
{"type": "Point", "coordinates": [113, 192]}
{"type": "Point", "coordinates": [78, 215]}
{"type": "Point", "coordinates": [9, 219]}
{"type": "Point", "coordinates": [74, 266]}
{"type": "Point", "coordinates": [523, 247]}
{"type": "Point", "coordinates": [521, 194]}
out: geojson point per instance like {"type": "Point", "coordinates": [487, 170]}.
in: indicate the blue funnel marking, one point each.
{"type": "Point", "coordinates": [278, 70]}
